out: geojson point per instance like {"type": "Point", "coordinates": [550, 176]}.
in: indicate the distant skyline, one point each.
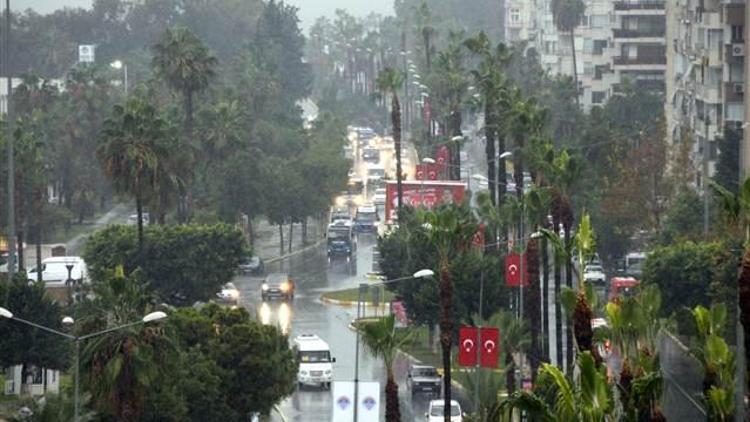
{"type": "Point", "coordinates": [309, 10]}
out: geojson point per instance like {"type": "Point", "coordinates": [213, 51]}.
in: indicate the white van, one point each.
{"type": "Point", "coordinates": [55, 270]}
{"type": "Point", "coordinates": [315, 361]}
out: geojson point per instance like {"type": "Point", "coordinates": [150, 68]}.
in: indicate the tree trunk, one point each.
{"type": "Point", "coordinates": [291, 237]}
{"type": "Point", "coordinates": [19, 249]}
{"type": "Point", "coordinates": [446, 331]}
{"type": "Point", "coordinates": [569, 283]}
{"type": "Point", "coordinates": [392, 408]}
{"type": "Point", "coordinates": [250, 232]}
{"type": "Point", "coordinates": [304, 231]}
{"type": "Point", "coordinates": [396, 122]}
{"type": "Point", "coordinates": [532, 299]}
{"type": "Point", "coordinates": [510, 372]}
{"type": "Point", "coordinates": [139, 211]}
{"type": "Point", "coordinates": [489, 150]}
{"type": "Point", "coordinates": [558, 310]}
{"type": "Point", "coordinates": [281, 238]}
{"type": "Point", "coordinates": [743, 287]}
{"type": "Point", "coordinates": [189, 113]}
{"type": "Point", "coordinates": [545, 301]}
{"type": "Point", "coordinates": [575, 66]}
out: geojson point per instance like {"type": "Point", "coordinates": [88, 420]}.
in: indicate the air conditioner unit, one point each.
{"type": "Point", "coordinates": [738, 50]}
{"type": "Point", "coordinates": [739, 88]}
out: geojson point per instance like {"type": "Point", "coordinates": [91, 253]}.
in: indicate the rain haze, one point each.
{"type": "Point", "coordinates": [309, 9]}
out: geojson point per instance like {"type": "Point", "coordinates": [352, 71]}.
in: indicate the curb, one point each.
{"type": "Point", "coordinates": [297, 252]}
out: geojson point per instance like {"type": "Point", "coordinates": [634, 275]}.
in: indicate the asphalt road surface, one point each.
{"type": "Point", "coordinates": [308, 315]}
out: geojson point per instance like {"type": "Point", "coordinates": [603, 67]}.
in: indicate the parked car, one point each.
{"type": "Point", "coordinates": [594, 274]}
{"type": "Point", "coordinates": [278, 285]}
{"type": "Point", "coordinates": [57, 270]}
{"type": "Point", "coordinates": [252, 265]}
{"type": "Point", "coordinates": [133, 219]}
{"type": "Point", "coordinates": [229, 294]}
{"type": "Point", "coordinates": [435, 411]}
{"type": "Point", "coordinates": [423, 379]}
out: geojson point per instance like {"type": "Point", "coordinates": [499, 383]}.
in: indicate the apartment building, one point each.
{"type": "Point", "coordinates": [745, 148]}
{"type": "Point", "coordinates": [705, 75]}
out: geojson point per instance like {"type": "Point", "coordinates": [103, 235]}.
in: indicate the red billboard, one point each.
{"type": "Point", "coordinates": [429, 171]}
{"type": "Point", "coordinates": [422, 193]}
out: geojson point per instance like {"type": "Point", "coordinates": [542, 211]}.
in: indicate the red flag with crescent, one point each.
{"type": "Point", "coordinates": [490, 344]}
{"type": "Point", "coordinates": [513, 276]}
{"type": "Point", "coordinates": [467, 346]}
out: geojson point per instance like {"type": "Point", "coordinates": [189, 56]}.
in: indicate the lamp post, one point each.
{"type": "Point", "coordinates": [426, 160]}
{"type": "Point", "coordinates": [119, 64]}
{"type": "Point", "coordinates": [152, 317]}
{"type": "Point", "coordinates": [363, 287]}
{"type": "Point", "coordinates": [9, 136]}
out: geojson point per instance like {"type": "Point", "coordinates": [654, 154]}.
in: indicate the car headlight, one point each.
{"type": "Point", "coordinates": [264, 286]}
{"type": "Point", "coordinates": [285, 287]}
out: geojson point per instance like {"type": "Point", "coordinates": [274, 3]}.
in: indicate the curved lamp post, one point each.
{"type": "Point", "coordinates": [152, 317]}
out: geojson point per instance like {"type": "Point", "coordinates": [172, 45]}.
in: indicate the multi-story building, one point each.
{"type": "Point", "coordinates": [745, 149]}
{"type": "Point", "coordinates": [705, 75]}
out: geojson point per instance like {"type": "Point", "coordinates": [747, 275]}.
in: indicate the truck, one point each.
{"type": "Point", "coordinates": [634, 264]}
{"type": "Point", "coordinates": [315, 361]}
{"type": "Point", "coordinates": [340, 239]}
{"type": "Point", "coordinates": [366, 219]}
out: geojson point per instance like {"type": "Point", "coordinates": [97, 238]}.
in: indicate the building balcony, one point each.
{"type": "Point", "coordinates": [640, 60]}
{"type": "Point", "coordinates": [639, 5]}
{"type": "Point", "coordinates": [638, 33]}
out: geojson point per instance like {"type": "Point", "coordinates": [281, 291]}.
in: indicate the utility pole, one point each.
{"type": "Point", "coordinates": [9, 138]}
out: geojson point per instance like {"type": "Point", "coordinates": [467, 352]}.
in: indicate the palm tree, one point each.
{"type": "Point", "coordinates": [134, 144]}
{"type": "Point", "coordinates": [515, 341]}
{"type": "Point", "coordinates": [450, 229]}
{"type": "Point", "coordinates": [567, 15]}
{"type": "Point", "coordinates": [184, 62]}
{"type": "Point", "coordinates": [587, 397]}
{"type": "Point", "coordinates": [492, 86]}
{"type": "Point", "coordinates": [388, 82]}
{"type": "Point", "coordinates": [737, 208]}
{"type": "Point", "coordinates": [383, 340]}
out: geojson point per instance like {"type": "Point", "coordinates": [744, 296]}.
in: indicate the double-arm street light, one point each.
{"type": "Point", "coordinates": [363, 287]}
{"type": "Point", "coordinates": [152, 317]}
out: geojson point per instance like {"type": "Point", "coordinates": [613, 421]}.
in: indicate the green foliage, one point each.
{"type": "Point", "coordinates": [24, 345]}
{"type": "Point", "coordinates": [684, 219]}
{"type": "Point", "coordinates": [180, 264]}
{"type": "Point", "coordinates": [691, 273]}
{"type": "Point", "coordinates": [728, 165]}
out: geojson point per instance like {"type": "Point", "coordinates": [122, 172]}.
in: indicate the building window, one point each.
{"type": "Point", "coordinates": [738, 33]}
{"type": "Point", "coordinates": [735, 112]}
{"type": "Point", "coordinates": [599, 21]}
{"type": "Point", "coordinates": [515, 16]}
{"type": "Point", "coordinates": [588, 45]}
{"type": "Point", "coordinates": [597, 97]}
{"type": "Point", "coordinates": [588, 69]}
{"type": "Point", "coordinates": [599, 46]}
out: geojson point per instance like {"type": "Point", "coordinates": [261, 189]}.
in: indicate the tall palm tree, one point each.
{"type": "Point", "coordinates": [586, 397]}
{"type": "Point", "coordinates": [567, 15]}
{"type": "Point", "coordinates": [134, 144]}
{"type": "Point", "coordinates": [737, 208]}
{"type": "Point", "coordinates": [184, 62]}
{"type": "Point", "coordinates": [383, 340]}
{"type": "Point", "coordinates": [450, 229]}
{"type": "Point", "coordinates": [388, 82]}
{"type": "Point", "coordinates": [490, 79]}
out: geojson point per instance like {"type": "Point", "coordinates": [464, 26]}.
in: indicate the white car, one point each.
{"type": "Point", "coordinates": [315, 361]}
{"type": "Point", "coordinates": [435, 411]}
{"type": "Point", "coordinates": [229, 294]}
{"type": "Point", "coordinates": [133, 219]}
{"type": "Point", "coordinates": [594, 274]}
{"type": "Point", "coordinates": [57, 270]}
{"type": "Point", "coordinates": [379, 197]}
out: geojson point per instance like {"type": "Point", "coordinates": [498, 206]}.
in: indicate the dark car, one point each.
{"type": "Point", "coordinates": [277, 285]}
{"type": "Point", "coordinates": [252, 265]}
{"type": "Point", "coordinates": [423, 379]}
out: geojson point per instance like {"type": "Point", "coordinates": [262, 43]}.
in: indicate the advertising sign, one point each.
{"type": "Point", "coordinates": [418, 193]}
{"type": "Point", "coordinates": [430, 171]}
{"type": "Point", "coordinates": [86, 53]}
{"type": "Point", "coordinates": [343, 401]}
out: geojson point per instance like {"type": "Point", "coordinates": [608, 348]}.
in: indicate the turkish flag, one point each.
{"type": "Point", "coordinates": [467, 346]}
{"type": "Point", "coordinates": [490, 338]}
{"type": "Point", "coordinates": [443, 155]}
{"type": "Point", "coordinates": [513, 276]}
{"type": "Point", "coordinates": [477, 240]}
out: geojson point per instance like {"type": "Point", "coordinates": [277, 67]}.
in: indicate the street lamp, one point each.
{"type": "Point", "coordinates": [11, 164]}
{"type": "Point", "coordinates": [118, 64]}
{"type": "Point", "coordinates": [69, 321]}
{"type": "Point", "coordinates": [421, 274]}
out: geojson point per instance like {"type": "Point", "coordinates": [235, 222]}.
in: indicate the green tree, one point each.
{"type": "Point", "coordinates": [182, 60]}
{"type": "Point", "coordinates": [383, 340]}
{"type": "Point", "coordinates": [728, 165]}
{"type": "Point", "coordinates": [173, 263]}
{"type": "Point", "coordinates": [134, 144]}
{"type": "Point", "coordinates": [388, 82]}
{"type": "Point", "coordinates": [567, 15]}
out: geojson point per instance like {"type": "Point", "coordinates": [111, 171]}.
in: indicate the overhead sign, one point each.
{"type": "Point", "coordinates": [86, 53]}
{"type": "Point", "coordinates": [368, 409]}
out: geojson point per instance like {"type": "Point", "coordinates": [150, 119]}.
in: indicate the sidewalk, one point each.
{"type": "Point", "coordinates": [266, 244]}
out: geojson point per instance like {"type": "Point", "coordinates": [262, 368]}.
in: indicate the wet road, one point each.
{"type": "Point", "coordinates": [308, 315]}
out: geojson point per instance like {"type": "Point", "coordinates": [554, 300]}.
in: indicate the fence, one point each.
{"type": "Point", "coordinates": [683, 379]}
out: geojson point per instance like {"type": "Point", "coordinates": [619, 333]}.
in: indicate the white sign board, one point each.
{"type": "Point", "coordinates": [343, 401]}
{"type": "Point", "coordinates": [86, 53]}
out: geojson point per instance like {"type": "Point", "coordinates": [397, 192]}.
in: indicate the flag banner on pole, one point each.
{"type": "Point", "coordinates": [467, 346]}
{"type": "Point", "coordinates": [513, 276]}
{"type": "Point", "coordinates": [490, 338]}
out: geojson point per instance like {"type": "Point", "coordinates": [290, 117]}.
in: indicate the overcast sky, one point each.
{"type": "Point", "coordinates": [309, 9]}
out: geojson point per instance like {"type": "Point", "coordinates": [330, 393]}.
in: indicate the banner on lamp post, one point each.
{"type": "Point", "coordinates": [368, 409]}
{"type": "Point", "coordinates": [513, 273]}
{"type": "Point", "coordinates": [490, 338]}
{"type": "Point", "coordinates": [467, 346]}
